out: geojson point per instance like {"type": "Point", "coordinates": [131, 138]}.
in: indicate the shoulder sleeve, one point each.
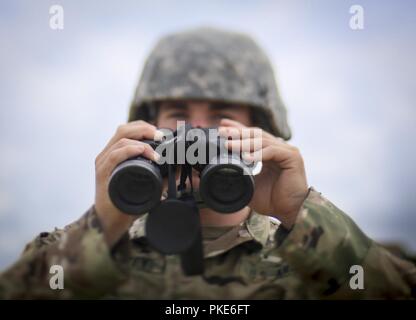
{"type": "Point", "coordinates": [79, 250]}
{"type": "Point", "coordinates": [325, 247]}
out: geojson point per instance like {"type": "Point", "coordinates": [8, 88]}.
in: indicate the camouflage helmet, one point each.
{"type": "Point", "coordinates": [214, 65]}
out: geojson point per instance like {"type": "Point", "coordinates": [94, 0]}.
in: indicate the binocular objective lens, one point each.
{"type": "Point", "coordinates": [135, 186]}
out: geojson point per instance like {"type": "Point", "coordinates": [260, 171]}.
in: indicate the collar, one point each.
{"type": "Point", "coordinates": [256, 228]}
{"type": "Point", "coordinates": [258, 225]}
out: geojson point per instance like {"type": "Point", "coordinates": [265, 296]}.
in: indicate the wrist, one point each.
{"type": "Point", "coordinates": [289, 222]}
{"type": "Point", "coordinates": [288, 218]}
{"type": "Point", "coordinates": [114, 224]}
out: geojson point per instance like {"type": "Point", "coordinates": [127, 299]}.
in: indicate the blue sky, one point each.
{"type": "Point", "coordinates": [350, 95]}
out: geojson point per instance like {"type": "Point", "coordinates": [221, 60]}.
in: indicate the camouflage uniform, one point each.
{"type": "Point", "coordinates": [255, 260]}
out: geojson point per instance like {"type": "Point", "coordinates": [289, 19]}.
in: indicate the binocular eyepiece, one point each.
{"type": "Point", "coordinates": [226, 181]}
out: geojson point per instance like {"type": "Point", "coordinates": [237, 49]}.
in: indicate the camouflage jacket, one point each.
{"type": "Point", "coordinates": [254, 260]}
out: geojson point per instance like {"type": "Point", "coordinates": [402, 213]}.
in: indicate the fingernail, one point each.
{"type": "Point", "coordinates": [222, 130]}
{"type": "Point", "coordinates": [247, 155]}
{"type": "Point", "coordinates": [158, 135]}
{"type": "Point", "coordinates": [157, 156]}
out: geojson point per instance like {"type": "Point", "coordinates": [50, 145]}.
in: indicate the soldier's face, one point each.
{"type": "Point", "coordinates": [200, 114]}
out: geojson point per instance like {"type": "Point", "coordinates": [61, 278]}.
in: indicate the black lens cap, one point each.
{"type": "Point", "coordinates": [172, 226]}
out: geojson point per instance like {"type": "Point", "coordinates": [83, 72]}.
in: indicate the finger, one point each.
{"type": "Point", "coordinates": [134, 130]}
{"type": "Point", "coordinates": [244, 133]}
{"type": "Point", "coordinates": [247, 145]}
{"type": "Point", "coordinates": [117, 156]}
{"type": "Point", "coordinates": [235, 124]}
{"type": "Point", "coordinates": [149, 153]}
{"type": "Point", "coordinates": [231, 123]}
{"type": "Point", "coordinates": [228, 123]}
{"type": "Point", "coordinates": [229, 132]}
{"type": "Point", "coordinates": [137, 130]}
{"type": "Point", "coordinates": [284, 156]}
{"type": "Point", "coordinates": [120, 143]}
{"type": "Point", "coordinates": [148, 150]}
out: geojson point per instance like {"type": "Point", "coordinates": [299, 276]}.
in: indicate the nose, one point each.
{"type": "Point", "coordinates": [199, 114]}
{"type": "Point", "coordinates": [200, 122]}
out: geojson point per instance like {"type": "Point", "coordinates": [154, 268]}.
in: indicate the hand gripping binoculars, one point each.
{"type": "Point", "coordinates": [173, 224]}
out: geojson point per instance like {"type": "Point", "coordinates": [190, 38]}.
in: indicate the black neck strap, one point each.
{"type": "Point", "coordinates": [186, 174]}
{"type": "Point", "coordinates": [171, 181]}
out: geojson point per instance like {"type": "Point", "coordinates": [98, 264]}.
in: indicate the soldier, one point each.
{"type": "Point", "coordinates": [212, 78]}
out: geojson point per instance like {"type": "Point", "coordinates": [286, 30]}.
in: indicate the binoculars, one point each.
{"type": "Point", "coordinates": [226, 181]}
